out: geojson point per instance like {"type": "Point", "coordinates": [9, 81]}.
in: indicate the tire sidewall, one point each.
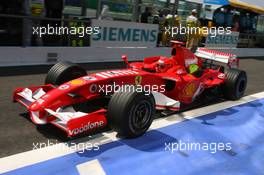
{"type": "Point", "coordinates": [241, 79]}
{"type": "Point", "coordinates": [231, 87]}
{"type": "Point", "coordinates": [120, 110]}
{"type": "Point", "coordinates": [69, 74]}
{"type": "Point", "coordinates": [63, 72]}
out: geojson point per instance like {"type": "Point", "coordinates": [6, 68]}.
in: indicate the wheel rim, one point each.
{"type": "Point", "coordinates": [141, 114]}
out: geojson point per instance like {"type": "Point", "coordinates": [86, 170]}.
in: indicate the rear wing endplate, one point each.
{"type": "Point", "coordinates": [230, 59]}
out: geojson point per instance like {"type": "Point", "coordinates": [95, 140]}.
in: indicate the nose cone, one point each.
{"type": "Point", "coordinates": [37, 105]}
{"type": "Point", "coordinates": [58, 95]}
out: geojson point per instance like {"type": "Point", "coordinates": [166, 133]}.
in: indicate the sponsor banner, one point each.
{"type": "Point", "coordinates": [226, 40]}
{"type": "Point", "coordinates": [124, 34]}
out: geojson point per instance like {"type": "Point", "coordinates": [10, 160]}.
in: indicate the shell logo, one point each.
{"type": "Point", "coordinates": [190, 89]}
{"type": "Point", "coordinates": [77, 82]}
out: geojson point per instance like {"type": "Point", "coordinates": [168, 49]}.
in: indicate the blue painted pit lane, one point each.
{"type": "Point", "coordinates": [241, 126]}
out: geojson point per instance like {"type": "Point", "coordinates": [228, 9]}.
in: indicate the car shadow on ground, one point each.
{"type": "Point", "coordinates": [51, 132]}
{"type": "Point", "coordinates": [48, 130]}
{"type": "Point", "coordinates": [154, 140]}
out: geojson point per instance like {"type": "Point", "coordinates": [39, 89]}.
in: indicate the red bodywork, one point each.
{"type": "Point", "coordinates": [45, 109]}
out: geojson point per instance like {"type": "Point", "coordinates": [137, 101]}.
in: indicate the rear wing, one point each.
{"type": "Point", "coordinates": [230, 59]}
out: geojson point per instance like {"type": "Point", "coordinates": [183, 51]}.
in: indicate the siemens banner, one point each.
{"type": "Point", "coordinates": [124, 34]}
{"type": "Point", "coordinates": [223, 41]}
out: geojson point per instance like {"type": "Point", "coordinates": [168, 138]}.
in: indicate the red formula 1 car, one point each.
{"type": "Point", "coordinates": [127, 99]}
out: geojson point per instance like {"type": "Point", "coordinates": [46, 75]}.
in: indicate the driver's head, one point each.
{"type": "Point", "coordinates": [164, 64]}
{"type": "Point", "coordinates": [194, 12]}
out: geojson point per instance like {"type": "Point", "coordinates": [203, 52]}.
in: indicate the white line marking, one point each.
{"type": "Point", "coordinates": [162, 122]}
{"type": "Point", "coordinates": [91, 167]}
{"type": "Point", "coordinates": [35, 156]}
{"type": "Point", "coordinates": [127, 47]}
{"type": "Point", "coordinates": [38, 155]}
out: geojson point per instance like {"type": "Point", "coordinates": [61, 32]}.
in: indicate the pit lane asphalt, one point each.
{"type": "Point", "coordinates": [18, 133]}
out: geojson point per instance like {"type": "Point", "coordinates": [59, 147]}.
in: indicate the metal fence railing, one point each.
{"type": "Point", "coordinates": [251, 40]}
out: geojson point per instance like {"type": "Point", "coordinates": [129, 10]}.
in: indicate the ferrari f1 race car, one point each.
{"type": "Point", "coordinates": [127, 99]}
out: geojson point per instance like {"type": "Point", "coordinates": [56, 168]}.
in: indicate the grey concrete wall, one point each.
{"type": "Point", "coordinates": [14, 56]}
{"type": "Point", "coordinates": [10, 56]}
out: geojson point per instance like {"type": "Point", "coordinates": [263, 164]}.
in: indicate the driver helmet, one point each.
{"type": "Point", "coordinates": [164, 64]}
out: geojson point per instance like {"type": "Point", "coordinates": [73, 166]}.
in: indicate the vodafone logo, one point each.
{"type": "Point", "coordinates": [88, 126]}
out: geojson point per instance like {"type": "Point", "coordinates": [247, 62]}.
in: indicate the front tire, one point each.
{"type": "Point", "coordinates": [131, 113]}
{"type": "Point", "coordinates": [63, 72]}
{"type": "Point", "coordinates": [235, 84]}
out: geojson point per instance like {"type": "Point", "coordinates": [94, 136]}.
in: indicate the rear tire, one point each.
{"type": "Point", "coordinates": [131, 113]}
{"type": "Point", "coordinates": [63, 72]}
{"type": "Point", "coordinates": [235, 84]}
